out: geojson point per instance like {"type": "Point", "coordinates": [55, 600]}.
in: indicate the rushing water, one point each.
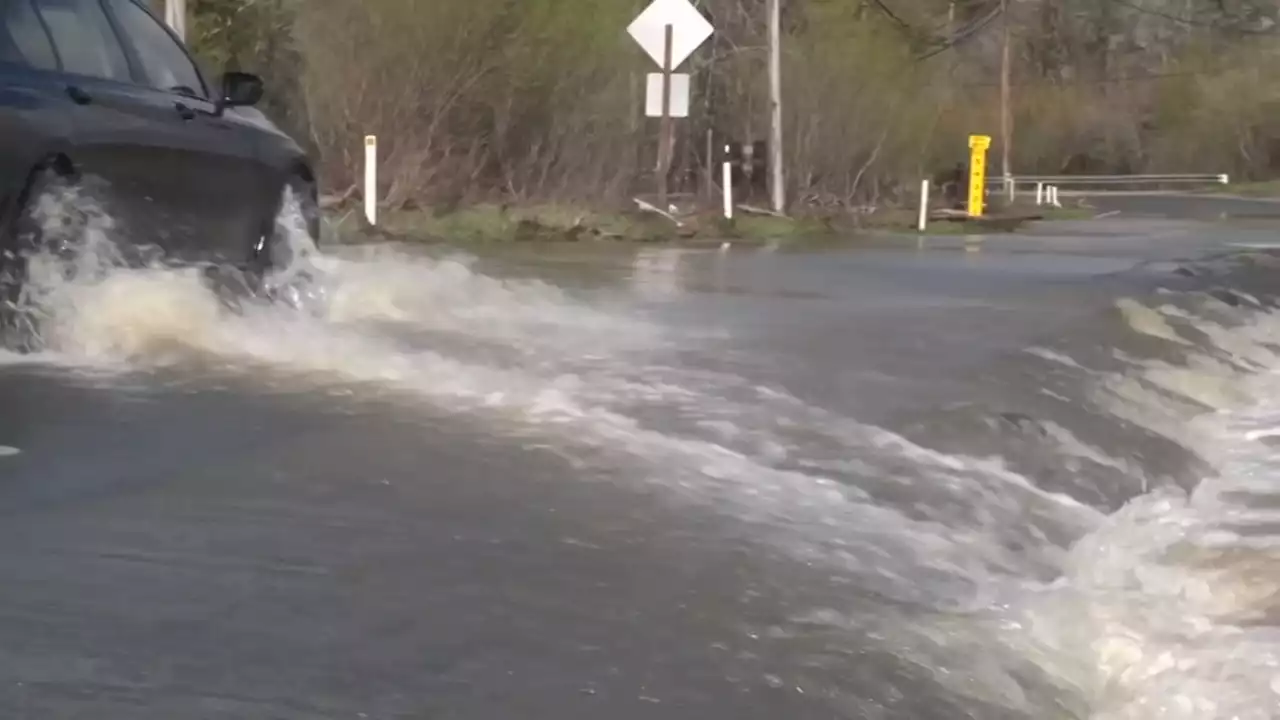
{"type": "Point", "coordinates": [1030, 574]}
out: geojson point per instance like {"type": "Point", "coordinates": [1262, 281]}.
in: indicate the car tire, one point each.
{"type": "Point", "coordinates": [271, 251]}
{"type": "Point", "coordinates": [22, 235]}
{"type": "Point", "coordinates": [275, 268]}
{"type": "Point", "coordinates": [277, 251]}
{"type": "Point", "coordinates": [268, 253]}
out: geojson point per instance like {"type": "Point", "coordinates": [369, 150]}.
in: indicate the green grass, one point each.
{"type": "Point", "coordinates": [1263, 189]}
{"type": "Point", "coordinates": [765, 228]}
{"type": "Point", "coordinates": [551, 223]}
{"type": "Point", "coordinates": [1070, 213]}
{"type": "Point", "coordinates": [492, 223]}
{"type": "Point", "coordinates": [995, 221]}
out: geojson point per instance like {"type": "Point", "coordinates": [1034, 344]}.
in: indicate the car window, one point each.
{"type": "Point", "coordinates": [23, 40]}
{"type": "Point", "coordinates": [84, 39]}
{"type": "Point", "coordinates": [166, 64]}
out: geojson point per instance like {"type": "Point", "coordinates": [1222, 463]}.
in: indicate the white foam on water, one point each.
{"type": "Point", "coordinates": [1055, 357]}
{"type": "Point", "coordinates": [1171, 608]}
{"type": "Point", "coordinates": [1145, 619]}
{"type": "Point", "coordinates": [575, 381]}
{"type": "Point", "coordinates": [447, 294]}
{"type": "Point", "coordinates": [1166, 609]}
{"type": "Point", "coordinates": [1148, 321]}
{"type": "Point", "coordinates": [821, 487]}
{"type": "Point", "coordinates": [96, 309]}
{"type": "Point", "coordinates": [1073, 447]}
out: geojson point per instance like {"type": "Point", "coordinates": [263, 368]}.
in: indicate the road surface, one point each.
{"type": "Point", "coordinates": [644, 484]}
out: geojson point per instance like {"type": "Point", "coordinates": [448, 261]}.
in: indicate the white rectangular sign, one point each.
{"type": "Point", "coordinates": [679, 96]}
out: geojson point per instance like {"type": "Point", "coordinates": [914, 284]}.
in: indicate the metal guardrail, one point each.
{"type": "Point", "coordinates": [1010, 186]}
{"type": "Point", "coordinates": [1147, 179]}
{"type": "Point", "coordinates": [1047, 187]}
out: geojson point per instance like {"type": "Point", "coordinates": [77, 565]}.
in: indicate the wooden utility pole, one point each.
{"type": "Point", "coordinates": [175, 14]}
{"type": "Point", "coordinates": [1006, 113]}
{"type": "Point", "coordinates": [775, 108]}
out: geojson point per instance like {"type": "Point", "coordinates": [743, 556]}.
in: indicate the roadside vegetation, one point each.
{"type": "Point", "coordinates": [507, 119]}
{"type": "Point", "coordinates": [1267, 189]}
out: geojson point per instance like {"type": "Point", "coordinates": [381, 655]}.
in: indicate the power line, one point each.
{"type": "Point", "coordinates": [976, 26]}
{"type": "Point", "coordinates": [966, 33]}
{"type": "Point", "coordinates": [1120, 79]}
{"type": "Point", "coordinates": [882, 7]}
{"type": "Point", "coordinates": [942, 44]}
{"type": "Point", "coordinates": [1192, 22]}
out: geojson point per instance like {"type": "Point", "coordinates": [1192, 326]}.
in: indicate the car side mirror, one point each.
{"type": "Point", "coordinates": [240, 90]}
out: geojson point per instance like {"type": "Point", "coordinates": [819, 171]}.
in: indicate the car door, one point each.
{"type": "Point", "coordinates": [120, 146]}
{"type": "Point", "coordinates": [223, 185]}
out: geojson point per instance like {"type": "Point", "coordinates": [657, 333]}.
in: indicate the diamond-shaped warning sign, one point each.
{"type": "Point", "coordinates": [689, 29]}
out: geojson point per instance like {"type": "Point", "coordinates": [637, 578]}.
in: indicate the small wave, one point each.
{"type": "Point", "coordinates": [1161, 610]}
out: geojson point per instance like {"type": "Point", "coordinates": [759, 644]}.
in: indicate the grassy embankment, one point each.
{"type": "Point", "coordinates": [1266, 189]}
{"type": "Point", "coordinates": [492, 223]}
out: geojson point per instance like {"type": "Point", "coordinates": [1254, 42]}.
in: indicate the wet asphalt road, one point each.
{"type": "Point", "coordinates": [185, 544]}
{"type": "Point", "coordinates": [1206, 207]}
{"type": "Point", "coordinates": [219, 555]}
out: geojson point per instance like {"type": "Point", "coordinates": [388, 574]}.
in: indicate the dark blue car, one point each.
{"type": "Point", "coordinates": [102, 94]}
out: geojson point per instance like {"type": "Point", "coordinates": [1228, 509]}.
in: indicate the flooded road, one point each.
{"type": "Point", "coordinates": [1013, 477]}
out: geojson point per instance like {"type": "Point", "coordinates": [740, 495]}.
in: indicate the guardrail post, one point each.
{"type": "Point", "coordinates": [726, 179]}
{"type": "Point", "coordinates": [923, 220]}
{"type": "Point", "coordinates": [371, 179]}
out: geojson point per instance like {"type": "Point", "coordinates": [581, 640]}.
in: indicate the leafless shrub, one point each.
{"type": "Point", "coordinates": [520, 100]}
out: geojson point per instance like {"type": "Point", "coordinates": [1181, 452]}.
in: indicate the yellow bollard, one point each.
{"type": "Point", "coordinates": [978, 146]}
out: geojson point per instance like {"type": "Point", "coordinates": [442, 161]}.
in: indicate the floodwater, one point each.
{"type": "Point", "coordinates": [1024, 476]}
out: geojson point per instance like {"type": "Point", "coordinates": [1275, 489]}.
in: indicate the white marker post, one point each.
{"type": "Point", "coordinates": [371, 179]}
{"type": "Point", "coordinates": [1039, 193]}
{"type": "Point", "coordinates": [175, 16]}
{"type": "Point", "coordinates": [923, 222]}
{"type": "Point", "coordinates": [726, 178]}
